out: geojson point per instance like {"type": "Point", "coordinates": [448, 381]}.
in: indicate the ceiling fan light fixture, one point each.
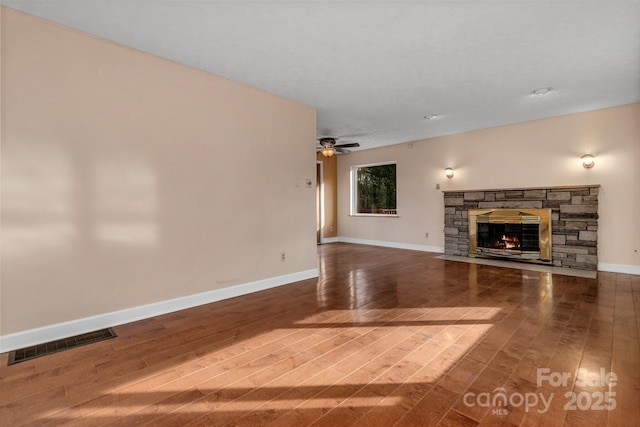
{"type": "Point", "coordinates": [328, 151]}
{"type": "Point", "coordinates": [328, 146]}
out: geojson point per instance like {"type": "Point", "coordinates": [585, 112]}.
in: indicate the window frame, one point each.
{"type": "Point", "coordinates": [353, 190]}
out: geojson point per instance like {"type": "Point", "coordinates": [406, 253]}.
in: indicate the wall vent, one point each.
{"type": "Point", "coordinates": [51, 347]}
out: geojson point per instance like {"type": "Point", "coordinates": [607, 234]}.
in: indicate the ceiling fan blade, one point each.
{"type": "Point", "coordinates": [349, 145]}
{"type": "Point", "coordinates": [342, 150]}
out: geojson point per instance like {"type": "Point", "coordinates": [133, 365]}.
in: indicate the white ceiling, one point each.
{"type": "Point", "coordinates": [374, 69]}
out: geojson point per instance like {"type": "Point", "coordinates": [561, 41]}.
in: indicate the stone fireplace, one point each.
{"type": "Point", "coordinates": [500, 217]}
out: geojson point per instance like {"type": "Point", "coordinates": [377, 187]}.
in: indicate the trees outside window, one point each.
{"type": "Point", "coordinates": [374, 189]}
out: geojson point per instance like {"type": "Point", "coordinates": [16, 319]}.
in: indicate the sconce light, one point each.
{"type": "Point", "coordinates": [588, 160]}
{"type": "Point", "coordinates": [448, 173]}
{"type": "Point", "coordinates": [328, 151]}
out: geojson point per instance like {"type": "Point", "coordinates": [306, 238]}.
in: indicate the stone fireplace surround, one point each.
{"type": "Point", "coordinates": [574, 216]}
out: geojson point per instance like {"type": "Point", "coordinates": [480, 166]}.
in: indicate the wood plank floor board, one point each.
{"type": "Point", "coordinates": [383, 337]}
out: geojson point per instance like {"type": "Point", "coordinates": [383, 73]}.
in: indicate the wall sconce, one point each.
{"type": "Point", "coordinates": [448, 172]}
{"type": "Point", "coordinates": [588, 160]}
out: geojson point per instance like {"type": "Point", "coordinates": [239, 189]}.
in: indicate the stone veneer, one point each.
{"type": "Point", "coordinates": [574, 215]}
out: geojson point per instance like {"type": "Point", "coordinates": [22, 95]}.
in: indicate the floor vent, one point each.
{"type": "Point", "coordinates": [32, 352]}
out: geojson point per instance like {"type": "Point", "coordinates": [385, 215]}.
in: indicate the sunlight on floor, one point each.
{"type": "Point", "coordinates": [432, 341]}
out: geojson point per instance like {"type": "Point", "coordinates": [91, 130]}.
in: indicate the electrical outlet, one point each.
{"type": "Point", "coordinates": [426, 234]}
{"type": "Point", "coordinates": [331, 228]}
{"type": "Point", "coordinates": [283, 257]}
{"type": "Point", "coordinates": [437, 186]}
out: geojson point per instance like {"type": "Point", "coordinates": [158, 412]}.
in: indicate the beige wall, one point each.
{"type": "Point", "coordinates": [532, 154]}
{"type": "Point", "coordinates": [330, 191]}
{"type": "Point", "coordinates": [128, 179]}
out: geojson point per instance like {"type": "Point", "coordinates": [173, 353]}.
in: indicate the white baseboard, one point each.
{"type": "Point", "coordinates": [75, 327]}
{"type": "Point", "coordinates": [619, 268]}
{"type": "Point", "coordinates": [329, 240]}
{"type": "Point", "coordinates": [409, 246]}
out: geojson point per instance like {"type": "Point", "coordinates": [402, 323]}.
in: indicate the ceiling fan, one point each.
{"type": "Point", "coordinates": [328, 147]}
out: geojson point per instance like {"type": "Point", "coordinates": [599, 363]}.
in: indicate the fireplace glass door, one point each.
{"type": "Point", "coordinates": [508, 237]}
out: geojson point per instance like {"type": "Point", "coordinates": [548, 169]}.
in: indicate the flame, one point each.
{"type": "Point", "coordinates": [511, 242]}
{"type": "Point", "coordinates": [508, 242]}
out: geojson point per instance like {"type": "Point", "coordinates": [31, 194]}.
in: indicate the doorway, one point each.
{"type": "Point", "coordinates": [319, 203]}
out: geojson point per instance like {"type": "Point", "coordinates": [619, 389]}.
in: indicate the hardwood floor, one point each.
{"type": "Point", "coordinates": [384, 337]}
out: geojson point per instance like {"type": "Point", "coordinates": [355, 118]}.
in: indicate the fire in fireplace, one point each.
{"type": "Point", "coordinates": [523, 235]}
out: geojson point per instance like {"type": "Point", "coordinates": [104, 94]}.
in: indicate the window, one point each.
{"type": "Point", "coordinates": [373, 189]}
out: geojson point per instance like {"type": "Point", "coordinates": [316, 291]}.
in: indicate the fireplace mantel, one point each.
{"type": "Point", "coordinates": [553, 188]}
{"type": "Point", "coordinates": [574, 215]}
